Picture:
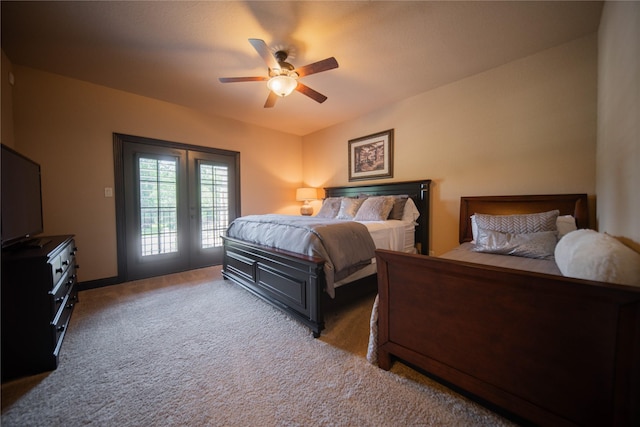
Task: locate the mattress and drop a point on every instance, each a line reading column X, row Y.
column 393, row 235
column 465, row 252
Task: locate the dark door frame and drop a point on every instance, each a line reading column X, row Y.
column 119, row 140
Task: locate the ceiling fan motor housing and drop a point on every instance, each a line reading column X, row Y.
column 286, row 69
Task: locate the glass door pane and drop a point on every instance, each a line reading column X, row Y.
column 158, row 206
column 214, row 203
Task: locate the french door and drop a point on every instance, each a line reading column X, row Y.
column 173, row 204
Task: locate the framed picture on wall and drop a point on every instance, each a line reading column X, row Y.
column 371, row 156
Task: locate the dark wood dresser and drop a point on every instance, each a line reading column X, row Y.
column 39, row 292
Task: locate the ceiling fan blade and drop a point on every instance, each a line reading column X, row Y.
column 242, row 79
column 263, row 50
column 316, row 96
column 316, row 67
column 271, row 100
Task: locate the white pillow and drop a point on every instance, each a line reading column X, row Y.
column 587, row 254
column 565, row 224
column 410, row 213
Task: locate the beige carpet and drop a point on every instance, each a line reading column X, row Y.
column 193, row 349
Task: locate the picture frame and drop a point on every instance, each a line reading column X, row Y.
column 371, row 156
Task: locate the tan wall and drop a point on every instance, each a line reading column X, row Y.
column 6, row 107
column 67, row 125
column 528, row 127
column 618, row 151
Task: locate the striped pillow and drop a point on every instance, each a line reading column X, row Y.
column 519, row 224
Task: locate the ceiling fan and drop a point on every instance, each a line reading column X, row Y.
column 283, row 77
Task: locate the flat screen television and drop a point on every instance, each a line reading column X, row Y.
column 21, row 198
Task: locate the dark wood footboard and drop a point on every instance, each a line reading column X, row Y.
column 548, row 349
column 292, row 282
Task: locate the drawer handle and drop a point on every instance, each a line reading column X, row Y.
column 69, row 282
column 69, row 306
column 60, row 328
column 59, row 270
column 65, row 262
column 59, row 299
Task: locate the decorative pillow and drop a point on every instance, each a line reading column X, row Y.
column 519, row 224
column 398, row 207
column 330, row 207
column 539, row 245
column 587, row 254
column 375, row 209
column 349, row 207
column 565, row 224
column 410, row 213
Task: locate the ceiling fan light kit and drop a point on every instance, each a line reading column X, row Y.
column 282, row 85
column 283, row 77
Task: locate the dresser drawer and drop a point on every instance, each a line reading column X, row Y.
column 56, row 268
column 61, row 321
column 63, row 261
column 62, row 289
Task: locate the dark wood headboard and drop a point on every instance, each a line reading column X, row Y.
column 418, row 191
column 567, row 204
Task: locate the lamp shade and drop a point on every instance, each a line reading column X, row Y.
column 303, row 194
column 282, row 85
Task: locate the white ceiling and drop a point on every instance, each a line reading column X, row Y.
column 387, row 51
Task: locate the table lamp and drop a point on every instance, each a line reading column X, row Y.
column 305, row 195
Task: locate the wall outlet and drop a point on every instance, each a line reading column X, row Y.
column 108, row 192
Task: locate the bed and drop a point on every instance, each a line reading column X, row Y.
column 541, row 348
column 297, row 283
